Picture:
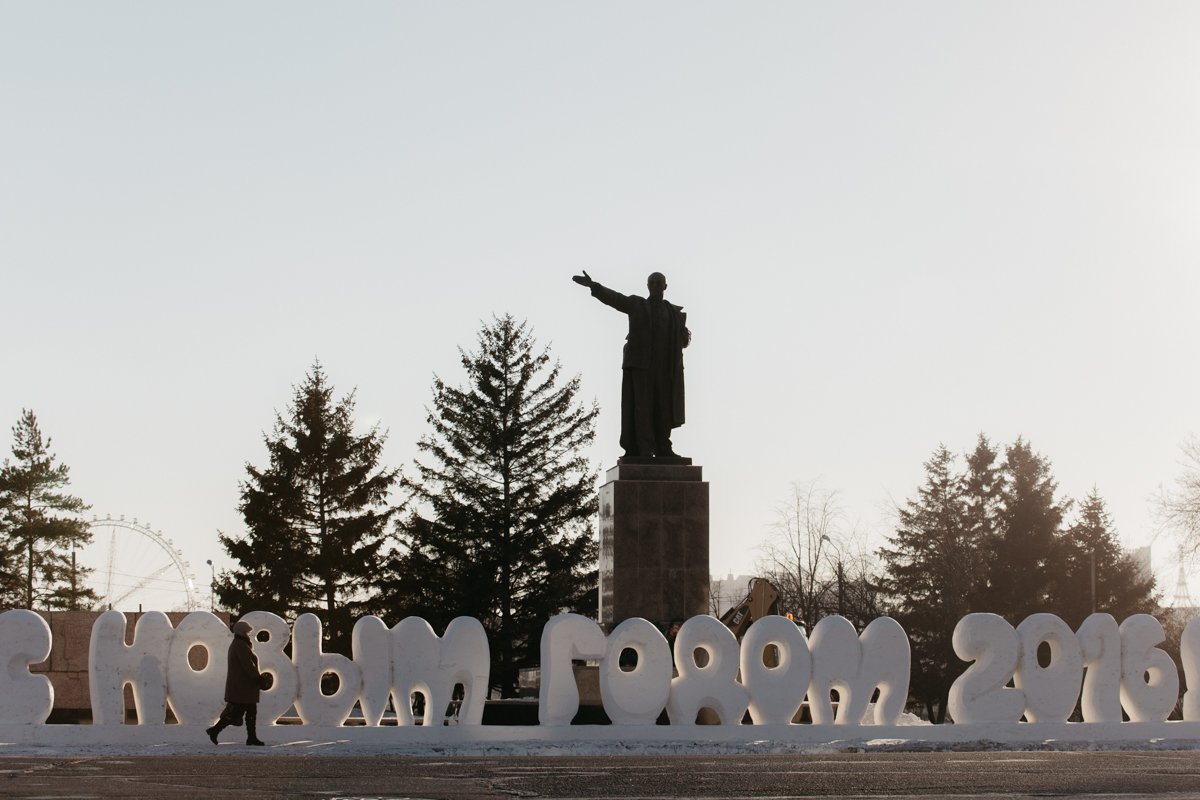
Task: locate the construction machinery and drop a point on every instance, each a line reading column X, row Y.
column 762, row 599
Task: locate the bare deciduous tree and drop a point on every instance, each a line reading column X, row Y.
column 1179, row 508
column 816, row 559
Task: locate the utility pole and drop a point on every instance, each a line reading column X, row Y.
column 74, row 584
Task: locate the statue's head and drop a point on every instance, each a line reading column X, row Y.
column 656, row 284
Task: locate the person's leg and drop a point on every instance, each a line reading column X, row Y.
column 251, row 723
column 228, row 717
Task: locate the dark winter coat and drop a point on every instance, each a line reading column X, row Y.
column 242, row 678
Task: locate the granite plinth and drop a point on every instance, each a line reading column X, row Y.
column 653, row 543
column 654, row 472
column 654, row 460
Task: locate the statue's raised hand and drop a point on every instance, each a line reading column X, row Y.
column 584, row 279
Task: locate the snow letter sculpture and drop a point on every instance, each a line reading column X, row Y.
column 1100, row 643
column 143, row 664
column 411, row 659
column 24, row 698
column 854, row 668
column 836, row 655
column 565, row 637
column 1050, row 691
column 274, row 702
column 776, row 692
column 1189, row 651
column 197, row 696
column 638, row 696
column 712, row 686
column 1149, row 680
column 980, row 694
column 371, row 643
column 466, row 659
column 312, row 704
column 886, row 665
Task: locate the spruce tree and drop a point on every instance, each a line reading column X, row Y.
column 933, row 572
column 992, row 539
column 982, row 483
column 1091, row 555
column 503, row 502
column 1024, row 551
column 317, row 515
column 40, row 526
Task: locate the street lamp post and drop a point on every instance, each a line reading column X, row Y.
column 841, row 591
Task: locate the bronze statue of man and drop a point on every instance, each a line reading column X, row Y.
column 651, row 367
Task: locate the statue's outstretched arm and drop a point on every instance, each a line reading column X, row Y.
column 605, row 295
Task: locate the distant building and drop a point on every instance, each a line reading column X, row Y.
column 1140, row 556
column 727, row 592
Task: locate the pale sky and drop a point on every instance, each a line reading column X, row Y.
column 892, row 225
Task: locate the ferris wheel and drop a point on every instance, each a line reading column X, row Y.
column 134, row 567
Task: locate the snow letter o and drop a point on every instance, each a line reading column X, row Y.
column 636, row 697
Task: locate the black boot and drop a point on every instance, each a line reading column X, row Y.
column 252, row 735
column 216, row 729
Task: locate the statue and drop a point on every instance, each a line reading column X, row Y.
column 652, row 369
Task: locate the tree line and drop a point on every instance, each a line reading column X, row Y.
column 495, row 520
column 985, row 532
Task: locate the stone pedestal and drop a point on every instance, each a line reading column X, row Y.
column 653, row 543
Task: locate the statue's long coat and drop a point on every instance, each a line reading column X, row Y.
column 637, row 353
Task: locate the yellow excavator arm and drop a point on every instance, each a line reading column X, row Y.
column 761, row 599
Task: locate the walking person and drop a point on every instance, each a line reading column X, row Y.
column 242, row 684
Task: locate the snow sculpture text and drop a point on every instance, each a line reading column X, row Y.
column 398, row 661
column 112, row 664
column 772, row 687
column 1037, row 671
column 712, row 684
column 24, row 698
column 777, row 670
column 411, row 659
column 1125, row 670
column 855, row 667
column 638, row 695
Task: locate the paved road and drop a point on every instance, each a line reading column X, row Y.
column 907, row 775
